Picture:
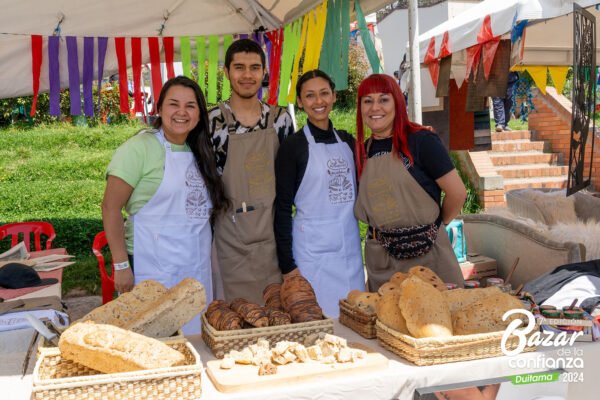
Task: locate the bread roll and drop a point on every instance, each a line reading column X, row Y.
column 428, row 276
column 388, row 287
column 398, row 278
column 170, row 312
column 388, row 312
column 353, row 295
column 485, row 315
column 425, row 309
column 461, row 298
column 367, row 302
column 110, row 349
column 122, row 310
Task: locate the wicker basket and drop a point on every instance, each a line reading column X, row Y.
column 45, row 344
column 221, row 342
column 358, row 321
column 430, row 351
column 56, row 378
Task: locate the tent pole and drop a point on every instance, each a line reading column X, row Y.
column 414, row 91
column 292, row 112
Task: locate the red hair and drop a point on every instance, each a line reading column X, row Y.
column 380, row 83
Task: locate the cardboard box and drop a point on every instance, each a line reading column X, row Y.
column 478, row 267
column 555, row 324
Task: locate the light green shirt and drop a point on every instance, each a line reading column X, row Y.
column 140, row 162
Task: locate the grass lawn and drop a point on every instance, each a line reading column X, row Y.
column 56, row 173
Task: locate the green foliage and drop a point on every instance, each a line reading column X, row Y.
column 472, row 204
column 16, row 110
column 342, row 119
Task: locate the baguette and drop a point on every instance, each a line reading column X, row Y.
column 110, row 349
column 166, row 315
column 122, row 310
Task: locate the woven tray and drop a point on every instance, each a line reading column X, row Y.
column 221, row 342
column 358, row 321
column 56, row 378
column 430, row 351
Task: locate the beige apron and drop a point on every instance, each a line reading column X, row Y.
column 245, row 241
column 389, row 197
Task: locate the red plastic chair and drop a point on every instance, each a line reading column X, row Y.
column 107, row 281
column 27, row 229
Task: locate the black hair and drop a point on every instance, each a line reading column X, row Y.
column 312, row 74
column 244, row 46
column 199, row 141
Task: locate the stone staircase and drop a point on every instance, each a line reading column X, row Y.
column 525, row 163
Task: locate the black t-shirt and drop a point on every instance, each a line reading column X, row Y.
column 431, row 160
column 290, row 165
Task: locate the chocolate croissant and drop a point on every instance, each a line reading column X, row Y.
column 223, row 318
column 253, row 314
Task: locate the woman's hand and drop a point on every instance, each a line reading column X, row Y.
column 124, row 280
column 455, row 195
column 295, row 272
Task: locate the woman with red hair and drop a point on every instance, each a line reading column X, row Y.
column 403, row 169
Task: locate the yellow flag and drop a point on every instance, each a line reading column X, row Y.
column 316, row 30
column 559, row 76
column 539, row 74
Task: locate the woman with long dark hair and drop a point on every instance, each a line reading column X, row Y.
column 403, row 169
column 315, row 172
column 166, row 181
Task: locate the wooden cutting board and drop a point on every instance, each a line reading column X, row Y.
column 245, row 377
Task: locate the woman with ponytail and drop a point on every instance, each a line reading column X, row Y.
column 167, row 182
column 403, row 169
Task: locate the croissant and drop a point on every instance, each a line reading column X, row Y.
column 272, row 296
column 277, row 317
column 223, row 318
column 253, row 314
column 299, row 300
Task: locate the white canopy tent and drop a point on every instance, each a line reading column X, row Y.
column 463, row 29
column 128, row 18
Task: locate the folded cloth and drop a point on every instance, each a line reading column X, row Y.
column 17, row 320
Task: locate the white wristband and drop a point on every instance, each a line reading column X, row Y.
column 121, row 266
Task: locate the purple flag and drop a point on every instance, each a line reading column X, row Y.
column 73, row 64
column 54, row 75
column 88, row 76
column 102, row 43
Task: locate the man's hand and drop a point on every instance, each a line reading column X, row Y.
column 295, row 272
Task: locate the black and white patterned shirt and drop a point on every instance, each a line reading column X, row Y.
column 220, row 134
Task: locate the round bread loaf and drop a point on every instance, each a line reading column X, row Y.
column 425, row 309
column 388, row 312
column 428, row 276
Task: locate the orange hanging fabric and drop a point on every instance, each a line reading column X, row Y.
column 432, row 63
column 169, row 56
column 487, row 44
column 36, row 67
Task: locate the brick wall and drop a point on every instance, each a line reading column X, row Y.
column 551, row 121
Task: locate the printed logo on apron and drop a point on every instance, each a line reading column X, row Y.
column 383, row 202
column 259, row 170
column 196, row 202
column 341, row 189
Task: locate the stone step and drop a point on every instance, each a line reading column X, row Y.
column 517, row 145
column 557, row 182
column 531, row 170
column 523, row 157
column 513, row 135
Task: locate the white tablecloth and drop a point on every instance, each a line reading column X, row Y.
column 398, row 381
